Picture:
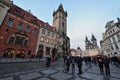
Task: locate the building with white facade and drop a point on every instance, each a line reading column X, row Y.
column 111, row 43
column 53, row 40
column 4, row 7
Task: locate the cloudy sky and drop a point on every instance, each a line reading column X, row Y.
column 85, row 17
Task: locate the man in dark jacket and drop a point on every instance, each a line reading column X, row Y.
column 79, row 64
column 67, row 64
column 100, row 64
column 106, row 62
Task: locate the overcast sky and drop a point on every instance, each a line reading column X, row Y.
column 85, row 17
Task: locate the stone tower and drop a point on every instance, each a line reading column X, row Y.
column 94, row 41
column 87, row 43
column 91, row 44
column 60, row 20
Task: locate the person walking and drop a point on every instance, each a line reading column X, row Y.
column 48, row 60
column 106, row 62
column 79, row 65
column 67, row 64
column 73, row 64
column 100, row 64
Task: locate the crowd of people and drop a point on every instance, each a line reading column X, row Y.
column 103, row 62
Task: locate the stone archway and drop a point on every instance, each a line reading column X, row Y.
column 9, row 52
column 20, row 53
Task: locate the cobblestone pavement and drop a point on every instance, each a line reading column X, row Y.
column 59, row 73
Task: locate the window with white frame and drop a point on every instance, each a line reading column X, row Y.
column 34, row 31
column 27, row 28
column 10, row 22
column 43, row 31
column 118, row 36
column 113, row 39
column 19, row 26
column 48, row 33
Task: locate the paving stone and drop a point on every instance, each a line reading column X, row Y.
column 93, row 71
column 29, row 76
column 50, row 71
column 8, row 78
column 79, row 79
column 44, row 78
column 115, row 75
column 92, row 76
column 61, row 76
column 59, row 68
column 115, row 71
column 114, row 79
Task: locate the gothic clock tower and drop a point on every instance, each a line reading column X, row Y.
column 60, row 20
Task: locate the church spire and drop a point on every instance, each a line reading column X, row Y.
column 93, row 37
column 60, row 9
column 86, row 39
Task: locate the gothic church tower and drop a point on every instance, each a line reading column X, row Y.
column 94, row 41
column 60, row 20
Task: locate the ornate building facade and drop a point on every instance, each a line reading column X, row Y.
column 24, row 35
column 60, row 24
column 110, row 43
column 91, row 44
column 92, row 48
column 4, row 7
column 20, row 33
